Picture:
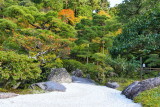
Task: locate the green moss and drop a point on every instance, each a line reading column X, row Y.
column 23, row 91
column 3, row 90
column 149, row 98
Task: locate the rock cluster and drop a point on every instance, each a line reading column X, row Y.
column 55, row 78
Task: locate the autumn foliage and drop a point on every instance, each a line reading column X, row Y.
column 67, row 15
column 102, row 12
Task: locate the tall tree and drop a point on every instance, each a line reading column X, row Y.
column 141, row 36
column 129, row 9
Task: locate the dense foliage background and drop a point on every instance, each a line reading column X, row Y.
column 37, row 35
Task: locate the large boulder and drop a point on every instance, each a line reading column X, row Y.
column 113, row 85
column 59, row 75
column 77, row 73
column 82, row 80
column 49, row 86
column 7, row 95
column 137, row 87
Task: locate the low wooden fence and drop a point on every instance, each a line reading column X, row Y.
column 151, row 69
column 145, row 70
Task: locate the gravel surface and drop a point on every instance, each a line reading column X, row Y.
column 76, row 95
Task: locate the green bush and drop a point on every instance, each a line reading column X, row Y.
column 97, row 72
column 150, row 74
column 122, row 67
column 93, row 70
column 16, row 69
column 72, row 65
column 7, row 25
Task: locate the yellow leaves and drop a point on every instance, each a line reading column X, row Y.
column 49, row 57
column 84, row 45
column 119, row 31
column 79, row 18
column 110, row 34
column 57, row 29
column 96, row 40
column 102, row 12
column 72, row 39
column 58, row 60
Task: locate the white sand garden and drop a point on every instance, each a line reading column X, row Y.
column 76, row 95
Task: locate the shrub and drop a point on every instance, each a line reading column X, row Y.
column 122, row 67
column 96, row 72
column 72, row 65
column 15, row 69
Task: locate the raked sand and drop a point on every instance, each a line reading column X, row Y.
column 76, row 95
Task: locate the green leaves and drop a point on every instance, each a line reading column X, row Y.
column 14, row 11
column 153, row 60
column 30, row 18
column 7, row 25
column 40, row 20
column 15, row 68
column 140, row 36
column 99, row 57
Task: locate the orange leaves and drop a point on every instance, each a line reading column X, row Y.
column 67, row 15
column 72, row 39
column 43, row 43
column 32, row 43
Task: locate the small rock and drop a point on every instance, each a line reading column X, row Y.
column 7, row 95
column 113, row 85
column 77, row 73
column 59, row 75
column 88, row 76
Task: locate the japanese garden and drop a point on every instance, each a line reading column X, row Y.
column 79, row 53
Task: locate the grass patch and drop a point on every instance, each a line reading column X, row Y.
column 3, row 90
column 149, row 98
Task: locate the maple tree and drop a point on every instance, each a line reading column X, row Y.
column 67, row 15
